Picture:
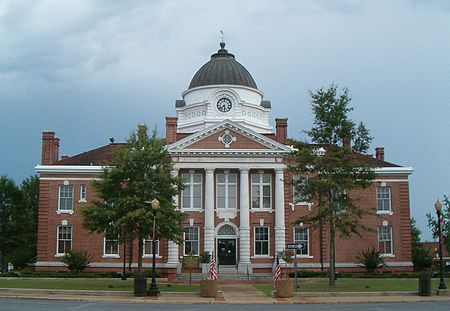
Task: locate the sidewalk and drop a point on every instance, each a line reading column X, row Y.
column 230, row 293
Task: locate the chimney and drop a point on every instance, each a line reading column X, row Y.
column 50, row 148
column 346, row 142
column 281, row 129
column 379, row 153
column 171, row 129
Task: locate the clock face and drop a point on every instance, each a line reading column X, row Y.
column 224, row 105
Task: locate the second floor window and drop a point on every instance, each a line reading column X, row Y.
column 83, row 193
column 383, row 199
column 298, row 181
column 262, row 191
column 191, row 196
column 226, row 190
column 65, row 200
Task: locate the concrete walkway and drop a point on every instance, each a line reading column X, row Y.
column 230, row 293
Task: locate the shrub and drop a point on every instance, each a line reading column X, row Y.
column 205, row 257
column 77, row 260
column 371, row 260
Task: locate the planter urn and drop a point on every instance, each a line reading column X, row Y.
column 208, row 288
column 283, row 288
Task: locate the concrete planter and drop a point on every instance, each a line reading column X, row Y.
column 208, row 288
column 283, row 288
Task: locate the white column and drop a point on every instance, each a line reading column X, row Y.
column 280, row 228
column 244, row 230
column 172, row 256
column 209, row 212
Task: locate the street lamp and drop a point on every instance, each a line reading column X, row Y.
column 153, row 290
column 438, row 207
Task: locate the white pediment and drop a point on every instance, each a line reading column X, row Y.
column 222, row 139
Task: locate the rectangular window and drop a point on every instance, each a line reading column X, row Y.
column 111, row 247
column 261, row 241
column 64, row 240
column 148, row 248
column 262, row 191
column 65, row 201
column 226, row 193
column 383, row 199
column 83, row 193
column 191, row 196
column 301, row 235
column 298, row 181
column 191, row 241
column 385, row 240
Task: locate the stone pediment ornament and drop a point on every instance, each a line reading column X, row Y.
column 227, row 139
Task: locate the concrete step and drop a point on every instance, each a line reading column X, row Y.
column 229, row 276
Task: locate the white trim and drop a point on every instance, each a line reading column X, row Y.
column 307, row 255
column 83, row 193
column 145, row 255
column 198, row 240
column 394, row 170
column 69, row 178
column 260, row 183
column 111, row 255
column 230, row 165
column 227, row 185
column 391, row 180
column 57, row 239
column 390, row 213
column 59, row 169
column 191, row 184
column 106, row 264
column 178, row 146
column 221, row 86
column 65, row 211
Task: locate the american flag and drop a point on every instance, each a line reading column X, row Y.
column 277, row 274
column 212, row 269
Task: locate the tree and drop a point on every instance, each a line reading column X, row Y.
column 433, row 223
column 328, row 168
column 10, row 219
column 421, row 256
column 26, row 253
column 139, row 173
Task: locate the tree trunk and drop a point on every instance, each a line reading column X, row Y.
column 130, row 254
column 140, row 252
column 321, row 245
column 332, row 280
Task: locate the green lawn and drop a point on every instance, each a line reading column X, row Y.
column 87, row 284
column 355, row 285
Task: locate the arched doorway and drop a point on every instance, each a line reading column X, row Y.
column 227, row 245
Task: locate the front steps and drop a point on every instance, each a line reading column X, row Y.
column 229, row 273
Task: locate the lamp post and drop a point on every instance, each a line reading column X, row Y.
column 438, row 207
column 153, row 290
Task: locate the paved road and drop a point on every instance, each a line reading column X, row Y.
column 50, row 305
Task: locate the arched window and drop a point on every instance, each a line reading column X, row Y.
column 226, row 230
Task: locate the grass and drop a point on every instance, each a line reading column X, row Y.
column 87, row 284
column 354, row 285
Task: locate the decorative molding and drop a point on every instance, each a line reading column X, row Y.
column 227, row 139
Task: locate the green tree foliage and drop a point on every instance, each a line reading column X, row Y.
column 371, row 260
column 421, row 257
column 329, row 170
column 18, row 221
column 77, row 260
column 433, row 223
column 139, row 173
column 11, row 214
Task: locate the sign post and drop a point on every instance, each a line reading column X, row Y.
column 295, row 247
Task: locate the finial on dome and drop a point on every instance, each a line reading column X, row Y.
column 222, row 42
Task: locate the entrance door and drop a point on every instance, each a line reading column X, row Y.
column 226, row 251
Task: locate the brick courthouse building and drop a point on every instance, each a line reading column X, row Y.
column 237, row 194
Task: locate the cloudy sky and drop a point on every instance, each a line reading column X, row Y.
column 91, row 70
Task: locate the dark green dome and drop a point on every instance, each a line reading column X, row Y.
column 222, row 69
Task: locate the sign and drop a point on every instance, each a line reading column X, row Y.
column 294, row 245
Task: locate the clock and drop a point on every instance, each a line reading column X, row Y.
column 224, row 104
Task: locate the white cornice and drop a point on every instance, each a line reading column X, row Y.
column 180, row 146
column 69, row 169
column 394, row 170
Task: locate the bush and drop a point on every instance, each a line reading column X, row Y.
column 205, row 257
column 77, row 260
column 371, row 260
column 421, row 257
